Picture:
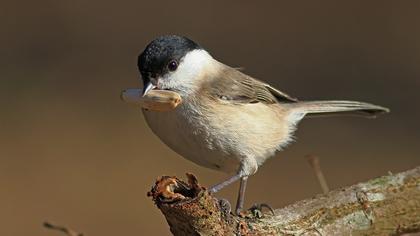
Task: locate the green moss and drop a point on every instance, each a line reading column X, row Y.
column 381, row 181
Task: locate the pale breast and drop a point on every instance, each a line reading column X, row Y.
column 219, row 136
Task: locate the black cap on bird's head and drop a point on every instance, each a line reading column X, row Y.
column 161, row 56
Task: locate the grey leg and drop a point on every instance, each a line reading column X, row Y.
column 225, row 183
column 241, row 195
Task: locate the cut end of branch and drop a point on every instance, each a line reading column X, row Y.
column 189, row 208
column 170, row 189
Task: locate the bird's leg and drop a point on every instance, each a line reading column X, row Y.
column 248, row 167
column 225, row 183
column 241, row 195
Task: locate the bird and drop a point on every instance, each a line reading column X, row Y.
column 228, row 121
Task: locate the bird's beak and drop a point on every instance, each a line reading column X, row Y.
column 147, row 86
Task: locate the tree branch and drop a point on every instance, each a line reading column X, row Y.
column 388, row 205
column 67, row 231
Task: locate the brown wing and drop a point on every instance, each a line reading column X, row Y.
column 233, row 85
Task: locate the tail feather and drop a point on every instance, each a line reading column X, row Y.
column 321, row 108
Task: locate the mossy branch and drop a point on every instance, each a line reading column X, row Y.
column 389, row 205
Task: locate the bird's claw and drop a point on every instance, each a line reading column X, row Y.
column 256, row 210
column 225, row 207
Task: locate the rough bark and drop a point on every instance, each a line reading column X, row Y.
column 388, row 205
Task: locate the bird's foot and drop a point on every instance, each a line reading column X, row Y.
column 257, row 211
column 225, row 207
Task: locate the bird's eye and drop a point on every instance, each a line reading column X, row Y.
column 172, row 65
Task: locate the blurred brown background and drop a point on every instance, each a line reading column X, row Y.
column 73, row 153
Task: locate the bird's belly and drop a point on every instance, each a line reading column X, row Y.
column 189, row 140
column 220, row 139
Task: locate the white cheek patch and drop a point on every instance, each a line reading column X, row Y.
column 188, row 70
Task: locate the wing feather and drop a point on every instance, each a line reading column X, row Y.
column 233, row 85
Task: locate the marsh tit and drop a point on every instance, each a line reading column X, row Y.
column 227, row 121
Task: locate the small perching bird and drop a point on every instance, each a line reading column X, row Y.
column 227, row 121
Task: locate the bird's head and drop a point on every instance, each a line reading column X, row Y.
column 172, row 62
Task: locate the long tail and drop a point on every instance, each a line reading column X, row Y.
column 321, row 108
